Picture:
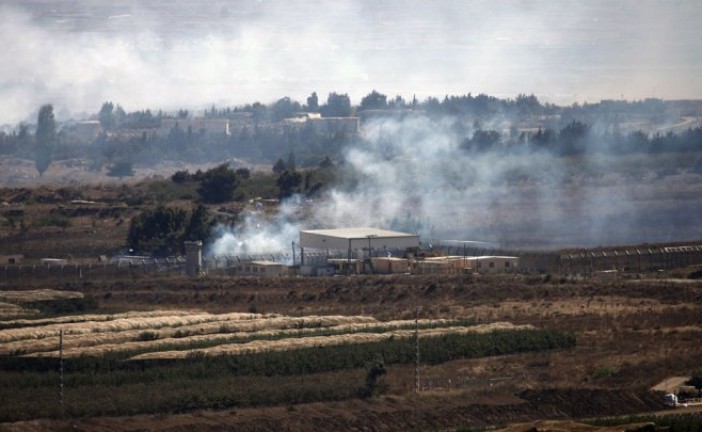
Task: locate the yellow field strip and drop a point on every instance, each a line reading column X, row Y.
column 45, row 338
column 97, row 317
column 37, row 295
column 320, row 341
column 119, row 325
column 12, row 310
column 336, row 324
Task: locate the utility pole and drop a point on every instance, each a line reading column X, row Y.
column 416, row 343
column 293, row 254
column 61, row 371
column 416, row 367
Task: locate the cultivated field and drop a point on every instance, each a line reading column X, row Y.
column 216, row 343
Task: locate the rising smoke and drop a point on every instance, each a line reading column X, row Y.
column 259, row 234
column 413, row 175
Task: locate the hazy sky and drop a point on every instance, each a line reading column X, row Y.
column 171, row 54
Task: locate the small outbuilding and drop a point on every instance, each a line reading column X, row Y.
column 15, row 259
column 493, row 264
column 262, row 268
column 460, row 264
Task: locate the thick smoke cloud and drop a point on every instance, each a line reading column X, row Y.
column 169, row 55
column 414, row 175
column 258, row 234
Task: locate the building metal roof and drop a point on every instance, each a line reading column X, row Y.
column 359, row 233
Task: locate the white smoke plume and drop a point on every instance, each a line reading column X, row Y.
column 260, row 235
column 412, row 175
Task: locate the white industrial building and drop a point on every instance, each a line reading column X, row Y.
column 357, row 245
column 353, row 239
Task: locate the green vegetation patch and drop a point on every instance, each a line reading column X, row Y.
column 108, row 385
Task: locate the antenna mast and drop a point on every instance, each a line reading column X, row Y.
column 61, row 370
column 416, row 343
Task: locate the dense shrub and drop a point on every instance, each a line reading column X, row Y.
column 64, row 305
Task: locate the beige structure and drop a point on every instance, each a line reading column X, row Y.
column 262, row 268
column 460, row 264
column 440, row 265
column 88, row 129
column 333, row 125
column 390, row 265
column 197, row 125
column 607, row 275
column 323, row 125
column 347, row 266
column 11, row 259
column 431, row 265
column 53, row 262
column 493, row 264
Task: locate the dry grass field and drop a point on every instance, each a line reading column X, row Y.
column 630, row 335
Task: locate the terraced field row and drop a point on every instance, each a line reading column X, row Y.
column 179, row 334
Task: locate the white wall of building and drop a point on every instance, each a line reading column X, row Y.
column 357, row 239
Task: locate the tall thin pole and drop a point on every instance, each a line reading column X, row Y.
column 293, row 253
column 416, row 343
column 61, row 370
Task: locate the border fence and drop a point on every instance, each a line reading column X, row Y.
column 583, row 263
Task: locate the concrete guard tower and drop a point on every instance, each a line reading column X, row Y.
column 193, row 258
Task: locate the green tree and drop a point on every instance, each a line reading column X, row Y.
column 119, row 117
column 279, row 166
column 696, row 381
column 243, row 173
column 291, row 165
column 375, row 372
column 218, row 184
column 105, row 116
column 483, row 140
column 45, row 139
column 374, row 100
column 284, row 108
column 259, row 113
column 163, row 230
column 312, row 103
column 543, row 139
column 181, row 176
column 573, row 138
column 199, row 226
column 527, row 105
column 288, row 183
column 157, row 231
column 337, row 106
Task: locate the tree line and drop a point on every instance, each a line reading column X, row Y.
column 128, row 138
column 162, row 230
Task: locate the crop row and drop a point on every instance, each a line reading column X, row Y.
column 108, row 385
